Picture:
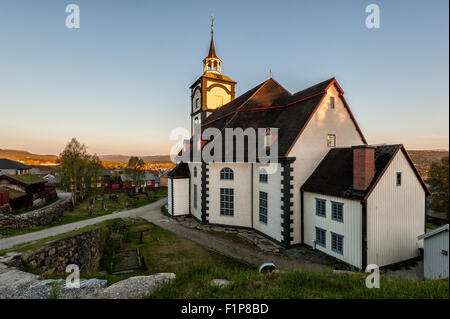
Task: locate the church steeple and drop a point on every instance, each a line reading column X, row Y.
column 212, row 64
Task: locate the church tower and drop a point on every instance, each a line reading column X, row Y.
column 211, row 90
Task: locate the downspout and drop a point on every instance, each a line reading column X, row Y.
column 364, row 235
column 251, row 196
column 302, row 226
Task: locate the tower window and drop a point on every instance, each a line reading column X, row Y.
column 197, row 102
column 263, row 176
column 195, row 171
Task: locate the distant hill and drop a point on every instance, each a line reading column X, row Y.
column 27, row 157
column 423, row 159
column 36, row 159
column 125, row 158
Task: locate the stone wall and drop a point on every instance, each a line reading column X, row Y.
column 35, row 218
column 83, row 250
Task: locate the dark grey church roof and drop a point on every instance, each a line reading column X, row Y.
column 269, row 105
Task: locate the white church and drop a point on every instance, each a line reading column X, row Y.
column 359, row 203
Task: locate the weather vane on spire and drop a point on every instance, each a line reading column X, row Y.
column 212, row 24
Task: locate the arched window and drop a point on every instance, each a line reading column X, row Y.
column 226, row 173
column 195, row 171
column 263, row 176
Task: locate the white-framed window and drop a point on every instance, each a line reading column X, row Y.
column 226, row 202
column 321, row 237
column 331, row 140
column 337, row 211
column 195, row 196
column 263, row 177
column 331, row 102
column 226, row 174
column 337, row 243
column 263, row 207
column 399, row 179
column 321, row 207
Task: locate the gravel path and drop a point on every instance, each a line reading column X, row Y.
column 10, row 242
column 250, row 255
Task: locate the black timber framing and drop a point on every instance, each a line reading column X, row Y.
column 286, row 201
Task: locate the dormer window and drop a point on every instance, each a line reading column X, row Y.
column 331, row 102
column 331, row 140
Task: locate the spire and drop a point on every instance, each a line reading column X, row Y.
column 212, row 50
column 212, row 63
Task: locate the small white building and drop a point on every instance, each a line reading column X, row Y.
column 178, row 190
column 435, row 261
column 365, row 205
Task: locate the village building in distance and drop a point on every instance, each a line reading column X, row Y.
column 362, row 204
column 20, row 189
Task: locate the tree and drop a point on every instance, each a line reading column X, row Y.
column 135, row 170
column 94, row 175
column 72, row 162
column 439, row 188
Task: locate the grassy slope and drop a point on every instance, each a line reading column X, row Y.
column 194, row 283
column 195, row 266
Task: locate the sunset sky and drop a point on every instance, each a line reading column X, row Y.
column 120, row 83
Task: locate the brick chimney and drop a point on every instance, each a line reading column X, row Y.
column 363, row 166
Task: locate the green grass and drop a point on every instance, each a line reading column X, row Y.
column 80, row 212
column 165, row 212
column 194, row 282
column 28, row 179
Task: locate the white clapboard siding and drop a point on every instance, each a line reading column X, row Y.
column 196, row 180
column 395, row 215
column 273, row 190
column 351, row 228
column 241, row 184
column 435, row 261
column 169, row 196
column 311, row 147
column 180, row 191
